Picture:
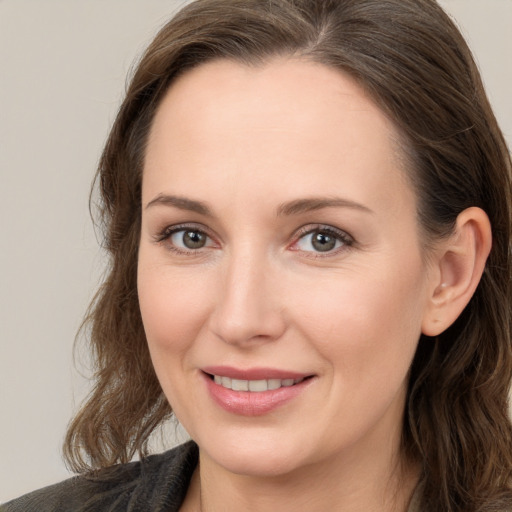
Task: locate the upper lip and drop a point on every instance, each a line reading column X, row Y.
column 253, row 373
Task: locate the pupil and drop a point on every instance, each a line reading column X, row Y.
column 322, row 242
column 193, row 240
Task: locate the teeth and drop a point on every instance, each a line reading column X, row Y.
column 258, row 385
column 239, row 385
column 274, row 383
column 254, row 385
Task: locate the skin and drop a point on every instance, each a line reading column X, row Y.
column 245, row 141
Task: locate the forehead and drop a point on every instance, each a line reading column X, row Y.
column 290, row 93
column 289, row 121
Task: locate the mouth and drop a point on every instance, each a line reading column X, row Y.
column 255, row 386
column 256, row 391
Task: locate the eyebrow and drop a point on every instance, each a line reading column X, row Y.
column 299, row 206
column 295, row 207
column 182, row 203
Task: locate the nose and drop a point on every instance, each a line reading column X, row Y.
column 248, row 308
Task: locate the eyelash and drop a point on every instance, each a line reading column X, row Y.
column 166, row 234
column 347, row 241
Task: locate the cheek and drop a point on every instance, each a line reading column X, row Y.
column 172, row 307
column 172, row 312
column 371, row 318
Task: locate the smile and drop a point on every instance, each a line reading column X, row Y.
column 256, row 386
column 254, row 391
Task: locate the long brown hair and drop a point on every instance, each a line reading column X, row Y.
column 410, row 57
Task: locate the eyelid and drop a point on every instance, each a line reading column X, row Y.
column 347, row 240
column 163, row 235
column 169, row 229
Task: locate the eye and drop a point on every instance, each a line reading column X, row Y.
column 323, row 240
column 184, row 239
column 188, row 239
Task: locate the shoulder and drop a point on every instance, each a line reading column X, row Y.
column 158, row 482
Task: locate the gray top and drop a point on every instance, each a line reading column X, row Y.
column 157, row 484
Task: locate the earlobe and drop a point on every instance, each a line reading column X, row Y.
column 460, row 262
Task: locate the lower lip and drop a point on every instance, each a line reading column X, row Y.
column 251, row 403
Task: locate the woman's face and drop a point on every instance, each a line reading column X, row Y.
column 280, row 256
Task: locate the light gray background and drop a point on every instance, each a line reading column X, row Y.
column 62, row 69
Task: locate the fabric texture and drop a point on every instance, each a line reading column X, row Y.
column 157, row 484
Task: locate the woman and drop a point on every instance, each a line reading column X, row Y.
column 307, row 204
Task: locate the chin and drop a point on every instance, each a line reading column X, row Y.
column 256, row 456
column 257, row 464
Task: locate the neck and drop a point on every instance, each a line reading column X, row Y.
column 348, row 484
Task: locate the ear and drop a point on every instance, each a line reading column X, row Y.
column 458, row 265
